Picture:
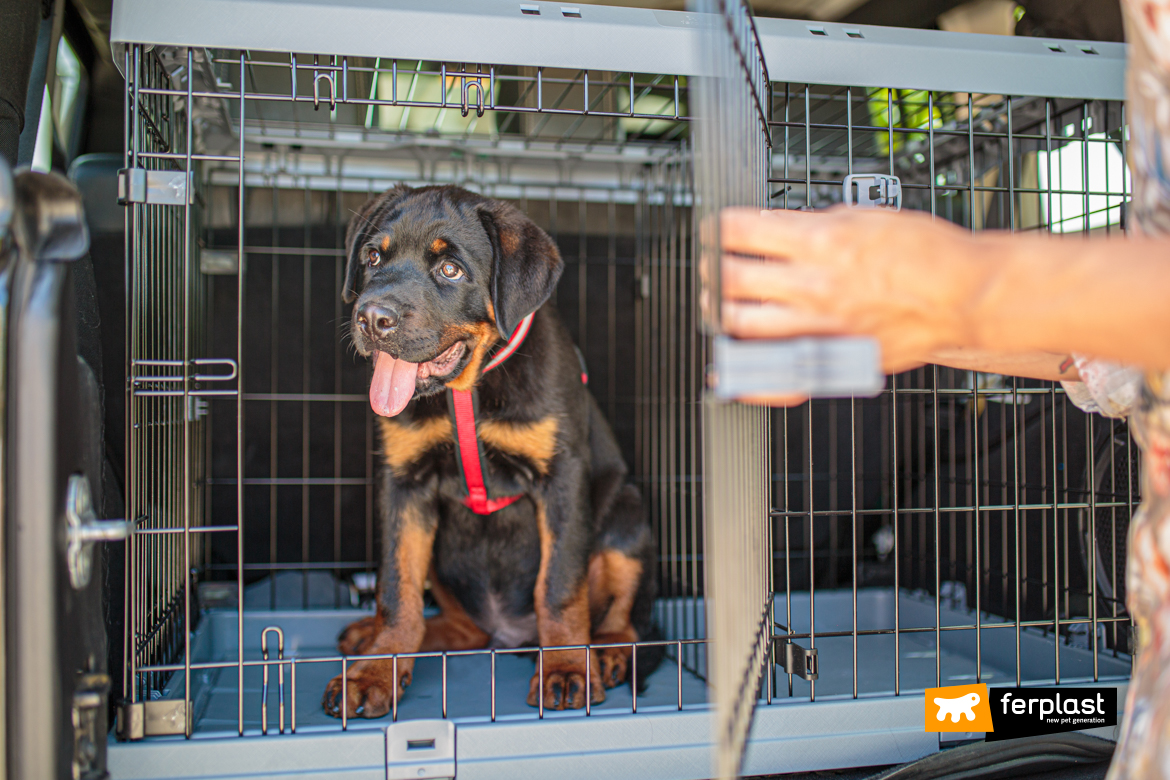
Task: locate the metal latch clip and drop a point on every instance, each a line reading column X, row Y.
column 873, row 191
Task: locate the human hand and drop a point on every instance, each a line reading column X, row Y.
column 901, row 278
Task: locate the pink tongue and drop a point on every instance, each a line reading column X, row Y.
column 393, row 385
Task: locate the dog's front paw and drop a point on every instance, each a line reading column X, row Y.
column 615, row 661
column 357, row 636
column 368, row 689
column 564, row 683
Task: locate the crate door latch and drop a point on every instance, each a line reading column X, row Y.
column 873, row 191
column 795, row 659
column 420, row 750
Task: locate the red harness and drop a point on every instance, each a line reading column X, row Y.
column 467, row 440
column 471, row 459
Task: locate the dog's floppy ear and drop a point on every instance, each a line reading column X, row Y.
column 525, row 264
column 367, row 219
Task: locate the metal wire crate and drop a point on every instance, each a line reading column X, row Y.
column 943, row 530
column 984, row 481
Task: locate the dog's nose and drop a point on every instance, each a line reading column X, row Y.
column 377, row 321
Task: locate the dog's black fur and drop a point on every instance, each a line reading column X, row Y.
column 571, row 562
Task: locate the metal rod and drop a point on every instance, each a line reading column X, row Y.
column 1018, row 538
column 634, row 677
column 187, row 441
column 133, row 328
column 588, row 680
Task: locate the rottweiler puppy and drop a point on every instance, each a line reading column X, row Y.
column 500, row 482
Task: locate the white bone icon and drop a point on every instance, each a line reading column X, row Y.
column 963, row 705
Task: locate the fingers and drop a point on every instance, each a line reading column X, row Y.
column 776, row 282
column 768, row 320
column 773, row 400
column 779, row 233
column 758, row 294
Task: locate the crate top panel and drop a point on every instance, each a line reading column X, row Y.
column 633, row 40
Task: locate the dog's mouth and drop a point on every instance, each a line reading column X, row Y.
column 395, row 379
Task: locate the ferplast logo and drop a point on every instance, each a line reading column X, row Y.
column 960, row 708
column 1086, row 708
column 1011, row 713
column 1027, row 712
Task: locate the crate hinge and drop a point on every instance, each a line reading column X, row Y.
column 166, row 717
column 167, row 188
column 794, row 659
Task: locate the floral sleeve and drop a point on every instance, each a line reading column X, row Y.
column 1147, row 29
column 1143, row 747
column 1106, row 388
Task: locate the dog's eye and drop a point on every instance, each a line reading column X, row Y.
column 451, row 271
column 373, row 257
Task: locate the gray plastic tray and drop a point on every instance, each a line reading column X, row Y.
column 660, row 741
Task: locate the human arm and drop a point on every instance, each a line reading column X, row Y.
column 923, row 287
column 1037, row 364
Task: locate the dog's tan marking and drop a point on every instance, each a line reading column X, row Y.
column 536, row 441
column 509, row 240
column 484, row 334
column 613, row 584
column 438, row 246
column 370, row 685
column 403, row 445
column 415, row 543
column 559, row 625
column 386, row 243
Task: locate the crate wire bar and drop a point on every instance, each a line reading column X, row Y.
column 960, row 526
column 1003, row 540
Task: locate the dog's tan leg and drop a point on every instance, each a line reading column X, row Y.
column 562, row 618
column 398, row 626
column 613, row 584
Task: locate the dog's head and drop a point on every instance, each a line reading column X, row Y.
column 439, row 275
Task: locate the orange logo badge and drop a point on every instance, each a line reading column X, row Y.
column 958, row 708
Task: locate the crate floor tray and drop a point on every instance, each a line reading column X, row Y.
column 660, row 741
column 962, row 657
column 310, row 635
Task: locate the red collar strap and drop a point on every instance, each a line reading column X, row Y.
column 472, row 464
column 513, row 343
